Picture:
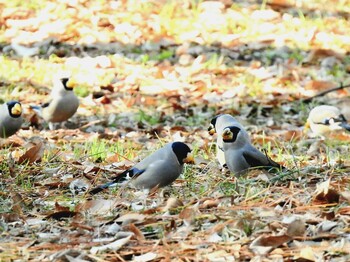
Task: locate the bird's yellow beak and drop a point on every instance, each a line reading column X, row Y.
column 227, row 134
column 16, row 110
column 211, row 129
column 70, row 84
column 306, row 126
column 189, row 159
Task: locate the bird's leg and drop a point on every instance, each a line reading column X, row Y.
column 51, row 126
column 237, row 185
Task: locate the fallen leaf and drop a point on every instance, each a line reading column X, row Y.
column 318, row 85
column 33, row 154
column 271, row 241
column 344, row 211
column 150, row 256
column 58, row 207
column 307, row 253
column 114, row 246
column 97, row 207
column 296, row 228
column 172, row 203
column 137, row 232
column 18, row 202
column 189, row 214
column 9, row 217
column 131, row 218
column 326, row 194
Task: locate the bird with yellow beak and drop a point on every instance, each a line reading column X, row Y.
column 62, row 105
column 10, row 118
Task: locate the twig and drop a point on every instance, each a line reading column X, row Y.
column 307, row 100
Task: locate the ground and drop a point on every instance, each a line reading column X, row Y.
column 149, row 72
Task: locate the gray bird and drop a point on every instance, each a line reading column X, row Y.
column 159, row 169
column 62, row 105
column 325, row 119
column 10, row 118
column 217, row 125
column 241, row 155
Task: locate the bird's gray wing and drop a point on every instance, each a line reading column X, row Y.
column 160, row 173
column 161, row 153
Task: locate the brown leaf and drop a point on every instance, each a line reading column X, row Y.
column 264, row 244
column 137, row 232
column 328, row 215
column 296, row 228
column 332, row 196
column 344, row 211
column 82, row 226
column 318, row 53
column 273, row 241
column 104, row 100
column 33, row 154
column 172, row 203
column 318, row 85
column 109, row 87
column 54, row 185
column 58, row 207
column 97, row 207
column 189, row 214
column 220, row 226
column 131, row 218
column 210, row 203
column 326, row 194
column 17, row 203
column 9, row 217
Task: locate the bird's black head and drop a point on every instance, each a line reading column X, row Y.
column 333, row 120
column 182, row 152
column 211, row 128
column 341, row 118
column 15, row 108
column 230, row 133
column 65, row 83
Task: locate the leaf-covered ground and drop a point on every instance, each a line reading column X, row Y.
column 149, row 72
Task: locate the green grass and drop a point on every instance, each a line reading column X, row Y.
column 99, row 149
column 149, row 118
column 82, row 91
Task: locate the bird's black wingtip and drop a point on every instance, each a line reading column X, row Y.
column 96, row 190
column 346, row 126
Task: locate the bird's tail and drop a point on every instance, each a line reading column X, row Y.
column 101, row 188
column 119, row 178
column 37, row 109
column 345, row 125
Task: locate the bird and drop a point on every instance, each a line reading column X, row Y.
column 62, row 105
column 241, row 155
column 159, row 169
column 217, row 125
column 10, row 118
column 325, row 119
